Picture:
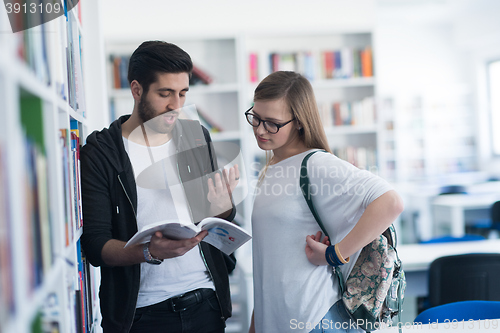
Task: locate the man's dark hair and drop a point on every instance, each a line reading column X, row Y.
column 153, row 57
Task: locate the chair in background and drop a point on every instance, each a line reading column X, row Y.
column 465, row 310
column 423, row 302
column 452, row 189
column 495, row 220
column 464, row 277
column 490, row 226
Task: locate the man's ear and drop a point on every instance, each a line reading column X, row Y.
column 136, row 89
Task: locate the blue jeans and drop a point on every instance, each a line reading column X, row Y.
column 337, row 320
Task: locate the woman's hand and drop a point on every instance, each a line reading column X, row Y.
column 220, row 190
column 316, row 248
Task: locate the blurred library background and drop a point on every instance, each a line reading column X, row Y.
column 407, row 89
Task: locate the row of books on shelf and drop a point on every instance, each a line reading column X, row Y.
column 85, row 293
column 36, row 202
column 119, row 73
column 208, row 122
column 70, row 149
column 41, row 231
column 347, row 63
column 362, row 157
column 356, row 113
column 76, row 98
column 342, row 63
column 81, row 297
column 39, row 219
column 58, row 39
column 40, row 240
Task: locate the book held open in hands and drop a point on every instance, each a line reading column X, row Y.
column 224, row 235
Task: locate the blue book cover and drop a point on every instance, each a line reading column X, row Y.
column 337, row 72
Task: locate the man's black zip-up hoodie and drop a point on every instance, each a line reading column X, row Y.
column 109, row 200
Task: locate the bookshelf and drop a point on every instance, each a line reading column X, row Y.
column 45, row 283
column 427, row 137
column 339, row 65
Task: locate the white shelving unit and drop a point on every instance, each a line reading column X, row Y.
column 349, row 86
column 428, row 138
column 39, row 228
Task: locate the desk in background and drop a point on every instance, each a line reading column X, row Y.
column 417, row 259
column 421, row 201
column 458, row 204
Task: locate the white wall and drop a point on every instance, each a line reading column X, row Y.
column 478, row 30
column 440, row 47
column 418, row 59
column 477, row 23
column 416, row 51
column 161, row 19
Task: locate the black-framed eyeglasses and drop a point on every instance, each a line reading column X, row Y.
column 270, row 126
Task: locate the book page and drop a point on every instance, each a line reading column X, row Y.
column 171, row 229
column 224, row 235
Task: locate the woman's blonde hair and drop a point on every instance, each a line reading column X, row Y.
column 298, row 94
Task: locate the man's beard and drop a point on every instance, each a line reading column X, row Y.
column 152, row 118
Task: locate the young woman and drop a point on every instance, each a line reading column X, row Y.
column 292, row 281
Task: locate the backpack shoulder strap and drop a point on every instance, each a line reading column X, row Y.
column 305, row 188
column 198, row 139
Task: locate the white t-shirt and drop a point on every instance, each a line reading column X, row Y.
column 288, row 289
column 176, row 275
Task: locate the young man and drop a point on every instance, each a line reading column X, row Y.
column 164, row 285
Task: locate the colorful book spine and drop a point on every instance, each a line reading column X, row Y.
column 75, row 148
column 66, row 171
column 329, row 64
column 201, row 76
column 116, row 72
column 367, row 62
column 253, row 68
column 80, row 310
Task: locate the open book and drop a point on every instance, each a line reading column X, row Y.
column 224, row 235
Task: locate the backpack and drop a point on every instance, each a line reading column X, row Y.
column 374, row 300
